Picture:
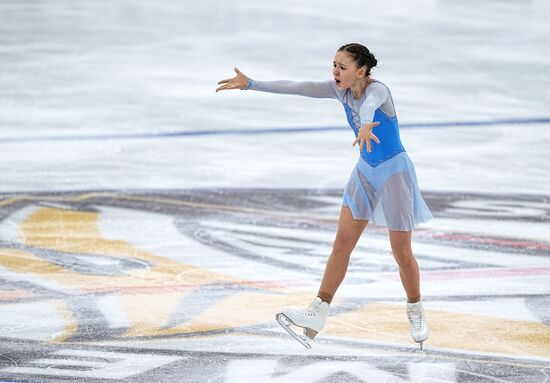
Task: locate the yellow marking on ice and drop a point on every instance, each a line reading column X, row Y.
column 447, row 330
column 156, row 290
column 149, row 312
column 238, row 310
column 70, row 323
column 21, row 261
column 76, row 232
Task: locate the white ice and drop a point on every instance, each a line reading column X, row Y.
column 87, row 89
column 138, row 67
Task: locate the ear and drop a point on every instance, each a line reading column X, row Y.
column 362, row 72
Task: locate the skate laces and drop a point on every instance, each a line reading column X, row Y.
column 313, row 308
column 416, row 319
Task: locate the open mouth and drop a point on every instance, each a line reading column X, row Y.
column 337, row 82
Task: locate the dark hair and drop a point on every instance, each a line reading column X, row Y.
column 361, row 55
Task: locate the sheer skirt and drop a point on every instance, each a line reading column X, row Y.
column 386, row 195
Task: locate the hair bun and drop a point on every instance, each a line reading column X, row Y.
column 372, row 60
column 361, row 55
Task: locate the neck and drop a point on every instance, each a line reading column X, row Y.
column 359, row 88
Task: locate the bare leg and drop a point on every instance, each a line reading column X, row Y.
column 349, row 231
column 408, row 268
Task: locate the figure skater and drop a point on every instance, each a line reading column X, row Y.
column 382, row 188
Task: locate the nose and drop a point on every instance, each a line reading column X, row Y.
column 335, row 72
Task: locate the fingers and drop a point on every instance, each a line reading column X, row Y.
column 226, row 87
column 362, row 142
column 231, row 83
column 232, row 78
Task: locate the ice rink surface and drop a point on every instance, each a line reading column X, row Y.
column 150, row 228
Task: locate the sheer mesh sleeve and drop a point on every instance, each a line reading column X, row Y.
column 317, row 89
column 377, row 95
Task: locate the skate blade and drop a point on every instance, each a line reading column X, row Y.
column 421, row 343
column 286, row 323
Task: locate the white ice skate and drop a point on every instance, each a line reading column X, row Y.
column 418, row 323
column 311, row 320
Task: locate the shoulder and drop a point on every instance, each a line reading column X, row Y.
column 383, row 94
column 378, row 91
column 378, row 86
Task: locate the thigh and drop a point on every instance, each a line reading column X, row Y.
column 349, row 229
column 397, row 201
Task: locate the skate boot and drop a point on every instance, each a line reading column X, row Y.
column 311, row 320
column 418, row 322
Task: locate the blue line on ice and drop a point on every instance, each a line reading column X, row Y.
column 252, row 131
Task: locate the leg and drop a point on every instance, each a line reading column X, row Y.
column 313, row 319
column 410, row 277
column 349, row 231
column 408, row 268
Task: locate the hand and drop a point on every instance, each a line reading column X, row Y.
column 240, row 81
column 364, row 135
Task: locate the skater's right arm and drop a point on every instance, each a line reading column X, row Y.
column 317, row 89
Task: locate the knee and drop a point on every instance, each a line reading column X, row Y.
column 342, row 247
column 404, row 257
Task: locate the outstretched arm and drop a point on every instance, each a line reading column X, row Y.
column 318, row 89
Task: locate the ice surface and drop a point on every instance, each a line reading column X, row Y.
column 151, row 228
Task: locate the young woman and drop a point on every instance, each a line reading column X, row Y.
column 382, row 188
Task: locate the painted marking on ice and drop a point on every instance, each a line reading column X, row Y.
column 240, row 132
column 449, row 275
column 451, row 236
column 499, row 208
column 109, row 365
column 477, row 239
column 484, row 333
column 267, row 371
column 485, row 273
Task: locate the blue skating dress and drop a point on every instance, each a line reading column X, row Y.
column 382, row 188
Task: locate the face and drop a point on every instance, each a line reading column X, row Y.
column 345, row 71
